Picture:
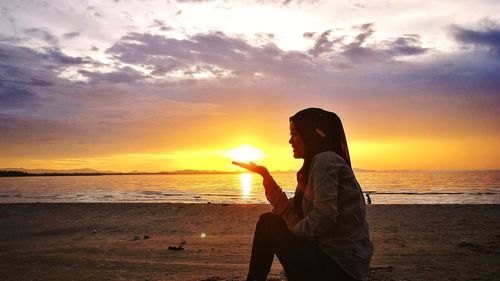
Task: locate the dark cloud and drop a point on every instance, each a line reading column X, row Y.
column 30, row 82
column 407, row 46
column 265, row 36
column 161, row 25
column 25, row 73
column 10, row 39
column 163, row 54
column 16, row 61
column 43, row 35
column 71, row 35
column 357, row 51
column 354, row 51
column 123, row 75
column 359, row 6
column 309, row 34
column 113, row 105
column 489, row 37
column 94, row 12
column 56, row 55
column 14, row 97
column 323, row 44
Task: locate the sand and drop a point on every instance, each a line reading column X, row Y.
column 96, row 241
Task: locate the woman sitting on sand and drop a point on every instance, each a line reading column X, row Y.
column 321, row 233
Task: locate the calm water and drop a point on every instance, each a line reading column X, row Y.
column 463, row 187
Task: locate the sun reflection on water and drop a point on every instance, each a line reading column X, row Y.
column 246, row 185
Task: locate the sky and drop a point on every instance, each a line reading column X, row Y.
column 172, row 85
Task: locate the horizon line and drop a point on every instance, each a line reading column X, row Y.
column 87, row 171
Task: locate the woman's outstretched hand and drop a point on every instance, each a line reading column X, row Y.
column 261, row 170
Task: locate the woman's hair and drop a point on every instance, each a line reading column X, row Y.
column 321, row 131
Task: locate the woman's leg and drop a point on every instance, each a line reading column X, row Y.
column 270, row 229
column 301, row 259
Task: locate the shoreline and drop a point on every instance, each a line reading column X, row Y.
column 84, row 241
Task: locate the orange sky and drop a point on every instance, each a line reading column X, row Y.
column 160, row 86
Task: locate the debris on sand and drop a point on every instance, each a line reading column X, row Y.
column 179, row 246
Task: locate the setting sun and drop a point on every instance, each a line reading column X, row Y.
column 245, row 153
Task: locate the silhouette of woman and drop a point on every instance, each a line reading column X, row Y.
column 321, row 233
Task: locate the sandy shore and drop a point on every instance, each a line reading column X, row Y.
column 96, row 241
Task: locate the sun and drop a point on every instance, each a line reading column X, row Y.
column 245, row 153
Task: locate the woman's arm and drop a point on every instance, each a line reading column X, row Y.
column 281, row 204
column 275, row 195
column 273, row 192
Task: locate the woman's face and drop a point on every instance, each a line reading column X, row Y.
column 296, row 142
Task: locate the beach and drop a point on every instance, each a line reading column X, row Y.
column 129, row 241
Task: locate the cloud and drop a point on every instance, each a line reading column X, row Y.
column 122, row 75
column 163, row 54
column 357, row 50
column 31, row 82
column 129, row 101
column 27, row 74
column 192, row 1
column 308, row 34
column 56, row 55
column 15, row 97
column 407, row 45
column 359, row 6
column 322, row 44
column 24, row 65
column 16, row 60
column 489, row 37
column 281, row 2
column 42, row 34
column 71, row 35
column 161, row 25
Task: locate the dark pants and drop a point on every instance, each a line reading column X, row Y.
column 301, row 259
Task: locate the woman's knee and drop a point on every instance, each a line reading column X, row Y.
column 272, row 224
column 269, row 219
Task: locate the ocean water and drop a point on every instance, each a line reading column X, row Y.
column 407, row 187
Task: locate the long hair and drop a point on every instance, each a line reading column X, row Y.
column 321, row 131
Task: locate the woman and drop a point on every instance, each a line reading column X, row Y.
column 321, row 233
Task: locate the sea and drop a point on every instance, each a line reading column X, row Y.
column 384, row 187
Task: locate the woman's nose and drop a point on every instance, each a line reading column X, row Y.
column 290, row 141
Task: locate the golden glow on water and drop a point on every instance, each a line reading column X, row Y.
column 246, row 185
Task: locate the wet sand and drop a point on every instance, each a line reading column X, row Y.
column 97, row 241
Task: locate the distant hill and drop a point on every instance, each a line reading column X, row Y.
column 93, row 171
column 51, row 171
column 363, row 170
column 10, row 172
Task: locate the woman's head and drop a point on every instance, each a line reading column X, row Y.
column 314, row 130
